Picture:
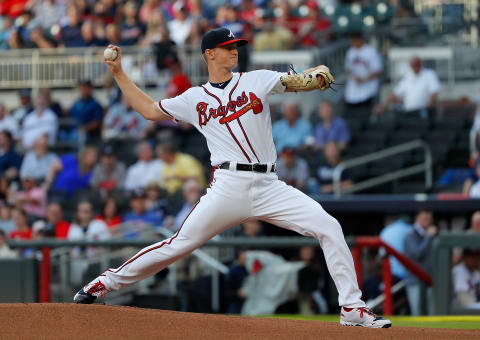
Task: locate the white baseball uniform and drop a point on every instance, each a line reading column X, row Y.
column 237, row 125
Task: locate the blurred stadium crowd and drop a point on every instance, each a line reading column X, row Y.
column 133, row 177
column 48, row 24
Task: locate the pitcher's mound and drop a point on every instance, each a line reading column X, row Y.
column 92, row 322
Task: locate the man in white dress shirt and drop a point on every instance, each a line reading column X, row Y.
column 363, row 65
column 417, row 91
column 40, row 121
column 146, row 170
column 7, row 122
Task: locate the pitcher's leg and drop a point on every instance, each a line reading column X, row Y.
column 289, row 208
column 210, row 216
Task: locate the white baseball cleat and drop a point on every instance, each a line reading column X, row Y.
column 363, row 317
column 90, row 293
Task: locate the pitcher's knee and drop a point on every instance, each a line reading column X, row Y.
column 328, row 226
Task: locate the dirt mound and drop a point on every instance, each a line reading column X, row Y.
column 91, row 322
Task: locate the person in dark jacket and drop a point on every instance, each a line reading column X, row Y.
column 418, row 245
column 10, row 160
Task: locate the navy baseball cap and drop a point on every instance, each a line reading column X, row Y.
column 220, row 37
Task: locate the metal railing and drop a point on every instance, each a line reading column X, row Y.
column 63, row 264
column 426, row 167
column 441, row 268
column 58, row 248
column 64, row 67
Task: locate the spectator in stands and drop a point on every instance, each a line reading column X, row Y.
column 363, row 65
column 474, row 191
column 132, row 30
column 145, row 170
column 22, row 230
column 39, row 40
column 110, row 11
column 149, row 9
column 88, row 35
column 324, row 173
column 7, row 225
column 5, row 251
column 7, row 27
column 71, row 33
column 394, row 234
column 40, row 121
column 73, row 172
column 109, row 214
column 191, row 194
column 4, row 189
column 178, row 167
column 109, row 174
column 314, row 30
column 181, row 25
column 49, row 12
column 139, row 218
column 475, row 135
column 85, row 227
column 179, row 82
column 331, row 128
column 123, row 122
column 466, row 280
column 33, row 199
column 88, row 112
column 154, row 197
column 237, row 273
column 417, row 91
column 10, row 160
column 113, row 34
column 240, row 30
column 475, row 222
column 310, row 298
column 15, row 40
column 292, row 130
column 292, row 169
column 113, row 91
column 25, row 25
column 156, row 27
column 471, row 178
column 100, row 33
column 250, row 229
column 248, row 11
column 7, row 122
column 25, row 107
column 418, row 245
column 272, row 37
column 52, row 105
column 56, row 222
column 39, row 161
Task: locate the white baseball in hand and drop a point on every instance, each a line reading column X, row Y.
column 110, row 54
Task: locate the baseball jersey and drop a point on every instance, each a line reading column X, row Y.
column 235, row 120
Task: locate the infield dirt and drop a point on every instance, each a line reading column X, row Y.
column 91, row 322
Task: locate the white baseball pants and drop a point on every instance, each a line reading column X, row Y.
column 232, row 198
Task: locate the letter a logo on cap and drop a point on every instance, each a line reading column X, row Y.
column 231, row 34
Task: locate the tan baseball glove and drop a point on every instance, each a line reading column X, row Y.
column 318, row 77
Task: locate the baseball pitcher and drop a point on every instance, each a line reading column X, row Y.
column 232, row 111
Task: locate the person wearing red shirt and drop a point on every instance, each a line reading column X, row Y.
column 315, row 29
column 179, row 82
column 110, row 214
column 22, row 231
column 12, row 8
column 55, row 218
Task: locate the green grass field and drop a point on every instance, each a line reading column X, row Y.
column 458, row 322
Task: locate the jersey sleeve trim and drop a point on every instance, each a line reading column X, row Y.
column 160, row 106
